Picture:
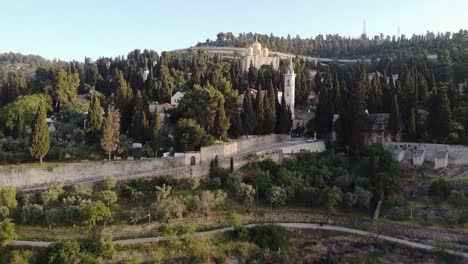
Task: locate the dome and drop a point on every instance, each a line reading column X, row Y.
column 257, row 45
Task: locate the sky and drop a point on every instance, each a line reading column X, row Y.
column 71, row 30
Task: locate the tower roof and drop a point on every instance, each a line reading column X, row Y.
column 256, row 44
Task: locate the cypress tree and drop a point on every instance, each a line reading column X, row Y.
column 260, row 113
column 39, row 143
column 284, row 118
column 221, row 123
column 235, row 130
column 249, row 119
column 124, row 99
column 395, row 120
column 156, row 137
column 139, row 125
column 108, row 134
column 95, row 118
column 20, row 131
column 268, row 115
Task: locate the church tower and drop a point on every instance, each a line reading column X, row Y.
column 289, row 87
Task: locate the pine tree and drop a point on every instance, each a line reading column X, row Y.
column 39, row 143
column 156, row 136
column 94, row 123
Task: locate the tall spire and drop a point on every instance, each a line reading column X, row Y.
column 364, row 28
column 291, row 66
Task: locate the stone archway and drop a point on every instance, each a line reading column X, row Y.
column 193, row 160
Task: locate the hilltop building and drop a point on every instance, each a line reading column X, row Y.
column 290, row 87
column 258, row 56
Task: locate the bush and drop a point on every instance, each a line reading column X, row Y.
column 7, row 232
column 32, row 214
column 51, row 195
column 397, row 213
column 454, row 218
column 439, row 188
column 8, row 197
column 395, row 200
column 277, row 196
column 457, row 198
column 95, row 212
column 209, row 200
column 200, row 252
column 186, row 230
column 109, row 197
column 69, row 252
column 270, row 236
column 246, row 194
column 104, row 245
column 349, row 199
column 169, row 208
column 363, row 197
column 21, row 257
column 4, row 212
column 108, row 183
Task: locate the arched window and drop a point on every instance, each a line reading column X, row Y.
column 193, row 161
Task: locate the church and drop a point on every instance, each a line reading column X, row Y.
column 258, row 56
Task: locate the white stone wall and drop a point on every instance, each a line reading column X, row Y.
column 457, row 154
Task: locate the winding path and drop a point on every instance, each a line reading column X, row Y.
column 287, row 225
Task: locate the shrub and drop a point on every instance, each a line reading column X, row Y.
column 162, row 192
column 104, row 245
column 439, row 188
column 363, row 197
column 395, row 200
column 32, row 214
column 51, row 195
column 21, row 257
column 457, row 198
column 246, row 194
column 186, row 230
column 209, row 200
column 397, row 213
column 349, row 199
column 69, row 252
column 454, row 218
column 169, row 208
column 270, row 236
column 277, row 196
column 108, row 183
column 7, row 232
column 4, row 212
column 109, row 197
column 200, row 252
column 8, row 197
column 95, row 212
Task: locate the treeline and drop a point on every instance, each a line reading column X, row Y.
column 333, row 45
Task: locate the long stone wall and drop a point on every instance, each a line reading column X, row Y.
column 31, row 175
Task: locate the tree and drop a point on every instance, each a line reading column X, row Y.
column 124, row 99
column 139, row 125
column 156, row 135
column 7, row 232
column 95, row 212
column 108, row 196
column 363, row 197
column 162, row 192
column 8, row 197
column 166, row 84
column 246, row 194
column 269, row 120
column 277, row 196
column 168, row 208
column 188, row 136
column 249, row 119
column 394, row 122
column 104, row 245
column 331, row 197
column 260, row 113
column 221, row 123
column 69, row 252
column 95, row 118
column 39, row 143
column 110, row 133
column 66, row 88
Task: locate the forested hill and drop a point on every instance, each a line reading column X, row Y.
column 348, row 47
column 24, row 64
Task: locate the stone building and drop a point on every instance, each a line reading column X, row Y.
column 376, row 129
column 290, row 87
column 259, row 56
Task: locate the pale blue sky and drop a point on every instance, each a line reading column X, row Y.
column 73, row 29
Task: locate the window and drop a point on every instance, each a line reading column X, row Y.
column 380, row 126
column 287, row 83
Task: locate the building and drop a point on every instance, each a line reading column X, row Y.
column 176, row 98
column 441, row 159
column 290, row 87
column 258, row 56
column 376, row 129
column 418, row 157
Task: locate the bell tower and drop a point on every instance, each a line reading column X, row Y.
column 289, row 87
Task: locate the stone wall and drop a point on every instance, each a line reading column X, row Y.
column 25, row 176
